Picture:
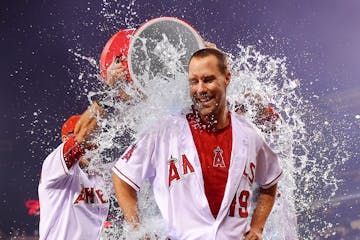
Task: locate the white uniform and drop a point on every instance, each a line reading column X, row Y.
column 72, row 205
column 170, row 150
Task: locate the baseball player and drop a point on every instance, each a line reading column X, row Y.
column 202, row 165
column 73, row 204
column 265, row 117
column 115, row 75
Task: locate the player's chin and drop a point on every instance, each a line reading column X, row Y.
column 206, row 111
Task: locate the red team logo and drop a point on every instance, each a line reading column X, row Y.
column 174, row 170
column 249, row 172
column 218, row 158
column 240, row 202
column 90, row 195
column 128, row 154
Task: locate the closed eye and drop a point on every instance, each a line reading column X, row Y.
column 209, row 79
column 193, row 81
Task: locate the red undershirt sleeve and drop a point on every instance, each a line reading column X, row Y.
column 72, row 152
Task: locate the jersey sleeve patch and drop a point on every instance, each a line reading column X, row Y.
column 129, row 153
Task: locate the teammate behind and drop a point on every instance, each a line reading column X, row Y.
column 72, row 202
column 202, row 165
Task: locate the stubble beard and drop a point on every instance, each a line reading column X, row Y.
column 207, row 116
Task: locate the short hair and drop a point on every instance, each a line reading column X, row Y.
column 220, row 56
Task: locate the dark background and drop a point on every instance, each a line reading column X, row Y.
column 43, row 82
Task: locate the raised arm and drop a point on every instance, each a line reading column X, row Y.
column 87, row 122
column 116, row 73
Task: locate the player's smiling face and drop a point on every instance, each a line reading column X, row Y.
column 208, row 86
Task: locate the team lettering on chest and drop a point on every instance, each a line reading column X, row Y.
column 90, row 195
column 249, row 172
column 179, row 169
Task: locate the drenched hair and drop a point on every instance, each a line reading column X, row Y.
column 220, row 56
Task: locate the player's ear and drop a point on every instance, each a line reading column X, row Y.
column 227, row 78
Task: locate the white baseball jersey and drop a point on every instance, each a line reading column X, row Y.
column 72, row 205
column 168, row 158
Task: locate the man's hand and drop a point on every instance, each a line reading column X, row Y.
column 253, row 235
column 87, row 123
column 116, row 72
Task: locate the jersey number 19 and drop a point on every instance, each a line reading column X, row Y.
column 241, row 203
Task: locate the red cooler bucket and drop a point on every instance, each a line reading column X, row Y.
column 144, row 50
column 117, row 46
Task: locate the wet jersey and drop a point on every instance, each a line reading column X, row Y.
column 73, row 204
column 214, row 150
column 168, row 158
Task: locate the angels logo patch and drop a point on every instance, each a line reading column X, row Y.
column 218, row 158
column 128, row 154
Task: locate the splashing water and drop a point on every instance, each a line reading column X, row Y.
column 309, row 178
column 305, row 169
column 113, row 9
column 266, row 77
column 154, row 96
column 310, row 148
